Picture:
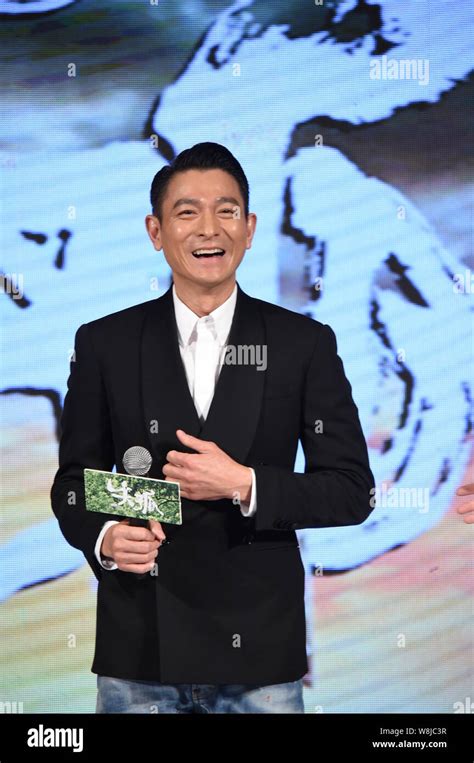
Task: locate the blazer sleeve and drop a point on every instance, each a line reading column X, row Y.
column 335, row 489
column 86, row 441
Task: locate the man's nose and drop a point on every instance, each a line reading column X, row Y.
column 208, row 223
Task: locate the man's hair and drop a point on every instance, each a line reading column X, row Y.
column 202, row 156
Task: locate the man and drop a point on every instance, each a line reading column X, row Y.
column 207, row 616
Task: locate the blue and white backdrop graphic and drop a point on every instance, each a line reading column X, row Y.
column 305, row 96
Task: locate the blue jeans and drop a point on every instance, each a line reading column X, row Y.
column 117, row 695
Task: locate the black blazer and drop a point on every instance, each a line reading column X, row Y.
column 227, row 604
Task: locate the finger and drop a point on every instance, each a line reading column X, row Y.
column 202, row 446
column 184, row 488
column 157, row 530
column 140, row 569
column 176, row 458
column 139, row 547
column 168, row 468
column 466, row 489
column 174, row 480
column 465, row 508
column 126, row 558
column 175, row 473
column 130, row 532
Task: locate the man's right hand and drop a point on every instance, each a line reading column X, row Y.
column 133, row 549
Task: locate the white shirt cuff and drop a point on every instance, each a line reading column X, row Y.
column 105, row 563
column 249, row 509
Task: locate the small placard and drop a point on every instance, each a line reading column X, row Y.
column 131, row 496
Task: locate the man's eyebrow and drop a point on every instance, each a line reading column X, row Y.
column 196, row 202
column 228, row 200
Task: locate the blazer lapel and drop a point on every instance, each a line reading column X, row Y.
column 167, row 402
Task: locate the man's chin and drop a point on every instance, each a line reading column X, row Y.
column 212, row 279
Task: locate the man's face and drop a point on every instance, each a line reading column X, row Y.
column 202, row 210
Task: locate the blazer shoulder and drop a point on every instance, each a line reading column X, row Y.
column 111, row 333
column 120, row 321
column 290, row 320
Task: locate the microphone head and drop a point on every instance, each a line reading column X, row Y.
column 137, row 460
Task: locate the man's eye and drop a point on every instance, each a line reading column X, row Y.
column 187, row 211
column 227, row 210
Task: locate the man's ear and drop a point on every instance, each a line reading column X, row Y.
column 153, row 227
column 251, row 225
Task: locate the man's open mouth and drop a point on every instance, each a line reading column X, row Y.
column 214, row 252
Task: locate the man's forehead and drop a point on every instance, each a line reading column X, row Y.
column 197, row 189
column 202, row 177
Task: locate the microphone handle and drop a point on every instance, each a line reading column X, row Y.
column 135, row 522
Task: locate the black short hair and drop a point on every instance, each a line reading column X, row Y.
column 202, row 156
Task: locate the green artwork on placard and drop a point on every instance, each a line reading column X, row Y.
column 130, row 496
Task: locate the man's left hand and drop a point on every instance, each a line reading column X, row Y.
column 209, row 474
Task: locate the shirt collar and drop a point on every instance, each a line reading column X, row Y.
column 186, row 320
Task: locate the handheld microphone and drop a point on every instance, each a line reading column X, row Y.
column 137, row 462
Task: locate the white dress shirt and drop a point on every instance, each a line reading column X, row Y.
column 202, row 343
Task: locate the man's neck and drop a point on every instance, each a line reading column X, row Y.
column 203, row 301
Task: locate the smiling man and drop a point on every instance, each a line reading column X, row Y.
column 208, row 616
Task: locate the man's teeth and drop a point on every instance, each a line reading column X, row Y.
column 207, row 252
